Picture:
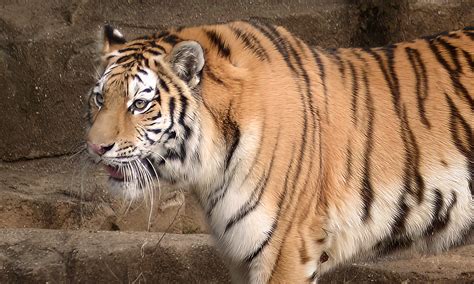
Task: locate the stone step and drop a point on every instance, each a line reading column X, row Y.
column 58, row 256
column 65, row 193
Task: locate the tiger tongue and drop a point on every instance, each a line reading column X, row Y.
column 114, row 172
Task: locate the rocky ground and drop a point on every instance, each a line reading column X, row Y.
column 59, row 224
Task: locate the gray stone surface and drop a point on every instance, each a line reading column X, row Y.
column 47, row 49
column 51, row 256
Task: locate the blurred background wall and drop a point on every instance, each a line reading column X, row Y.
column 47, row 48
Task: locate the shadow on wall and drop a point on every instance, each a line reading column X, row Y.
column 380, row 22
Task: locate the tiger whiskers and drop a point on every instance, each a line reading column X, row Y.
column 149, row 188
column 85, row 165
column 164, row 159
column 138, row 181
column 156, row 175
column 79, row 150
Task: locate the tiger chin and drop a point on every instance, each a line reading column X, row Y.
column 302, row 158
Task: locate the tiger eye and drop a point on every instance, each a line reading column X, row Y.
column 99, row 99
column 139, row 104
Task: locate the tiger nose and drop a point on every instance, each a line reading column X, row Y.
column 100, row 149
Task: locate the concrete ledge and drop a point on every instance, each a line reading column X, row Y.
column 53, row 256
column 34, row 256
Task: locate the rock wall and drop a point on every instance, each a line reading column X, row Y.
column 47, row 49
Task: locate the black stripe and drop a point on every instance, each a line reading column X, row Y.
column 313, row 276
column 161, row 34
column 138, row 78
column 142, row 71
column 222, row 190
column 357, row 54
column 148, row 138
column 413, row 181
column 440, row 221
column 288, row 49
column 110, row 57
column 389, row 245
column 146, row 62
column 282, row 197
column 154, row 52
column 322, row 75
column 164, row 86
column 469, row 59
column 340, row 63
column 367, row 192
column 412, row 162
column 456, row 124
column 469, row 34
column 171, row 39
column 256, row 252
column 398, row 226
column 231, row 133
column 150, row 109
column 181, row 154
column 452, row 51
column 251, row 42
column 251, row 203
column 128, row 49
column 217, row 41
column 454, row 75
column 232, row 136
column 389, row 75
column 123, row 59
column 157, row 46
column 349, row 161
column 355, row 92
column 155, row 131
column 182, row 115
column 453, row 35
column 172, row 105
column 421, row 82
column 410, row 146
column 271, row 34
column 157, row 97
column 126, row 147
column 171, row 135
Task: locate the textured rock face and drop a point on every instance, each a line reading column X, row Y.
column 39, row 256
column 47, row 49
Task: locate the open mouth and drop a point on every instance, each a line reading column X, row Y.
column 117, row 174
column 114, row 172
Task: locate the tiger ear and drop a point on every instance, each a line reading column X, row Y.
column 187, row 60
column 112, row 39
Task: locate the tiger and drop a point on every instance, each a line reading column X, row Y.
column 302, row 158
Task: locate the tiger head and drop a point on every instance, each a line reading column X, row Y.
column 142, row 112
